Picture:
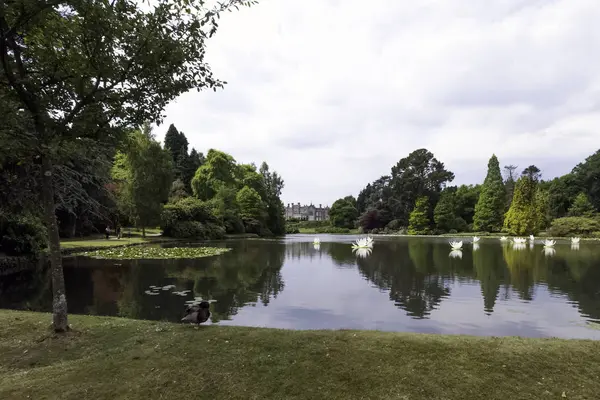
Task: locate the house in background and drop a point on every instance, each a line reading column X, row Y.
column 307, row 213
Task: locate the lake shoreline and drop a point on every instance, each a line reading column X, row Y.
column 444, row 235
column 148, row 360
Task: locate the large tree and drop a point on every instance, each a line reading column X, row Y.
column 587, row 175
column 275, row 209
column 444, row 214
column 419, row 217
column 419, row 174
column 523, row 216
column 581, row 207
column 489, row 211
column 81, row 69
column 145, row 172
column 219, row 169
column 343, row 212
column 509, row 183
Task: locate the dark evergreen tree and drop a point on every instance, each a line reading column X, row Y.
column 509, row 183
column 444, row 214
column 177, row 145
column 582, row 207
column 489, row 211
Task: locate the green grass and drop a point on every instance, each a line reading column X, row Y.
column 100, row 242
column 314, row 231
column 114, row 358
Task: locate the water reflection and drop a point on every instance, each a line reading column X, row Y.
column 492, row 288
column 456, row 254
column 362, row 252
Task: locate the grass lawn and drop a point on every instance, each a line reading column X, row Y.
column 314, row 231
column 100, row 241
column 113, row 358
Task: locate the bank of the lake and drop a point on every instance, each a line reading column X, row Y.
column 122, row 358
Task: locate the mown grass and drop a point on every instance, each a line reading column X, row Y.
column 100, row 242
column 114, row 358
column 314, row 231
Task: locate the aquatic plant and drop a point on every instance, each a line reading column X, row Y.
column 455, row 254
column 456, row 245
column 154, row 253
column 363, row 252
column 363, row 243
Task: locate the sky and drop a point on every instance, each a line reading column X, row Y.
column 332, row 93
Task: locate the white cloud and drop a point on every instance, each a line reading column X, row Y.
column 332, row 93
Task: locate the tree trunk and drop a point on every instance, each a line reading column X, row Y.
column 59, row 298
column 143, row 231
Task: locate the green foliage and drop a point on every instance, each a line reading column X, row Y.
column 252, row 209
column 587, row 178
column 190, row 218
column 581, row 207
column 444, row 214
column 218, row 170
column 489, row 211
column 542, row 209
column 466, row 199
column 154, row 253
column 343, row 213
column 420, row 174
column 522, row 218
column 144, row 171
column 178, row 191
column 21, row 234
column 275, row 208
column 509, row 184
column 419, row 220
column 226, row 208
column 292, row 229
column 561, row 193
column 574, row 226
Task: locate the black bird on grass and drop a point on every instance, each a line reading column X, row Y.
column 197, row 314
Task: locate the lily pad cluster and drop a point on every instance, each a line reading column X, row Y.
column 141, row 252
column 156, row 290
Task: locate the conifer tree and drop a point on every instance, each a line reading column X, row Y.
column 581, row 207
column 522, row 216
column 489, row 211
column 418, row 221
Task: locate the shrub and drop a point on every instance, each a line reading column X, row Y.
column 332, row 229
column 190, row 218
column 452, row 231
column 22, row 235
column 291, row 228
column 571, row 226
column 394, row 225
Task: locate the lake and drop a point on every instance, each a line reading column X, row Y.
column 404, row 284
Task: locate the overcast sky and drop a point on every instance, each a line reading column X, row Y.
column 332, row 93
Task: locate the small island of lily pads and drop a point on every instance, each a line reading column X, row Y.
column 154, row 253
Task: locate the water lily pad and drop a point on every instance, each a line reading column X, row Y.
column 154, row 253
column 151, row 293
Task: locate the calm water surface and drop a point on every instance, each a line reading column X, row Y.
column 404, row 284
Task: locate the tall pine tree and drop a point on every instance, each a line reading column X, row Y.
column 522, row 217
column 489, row 211
column 509, row 183
column 177, row 145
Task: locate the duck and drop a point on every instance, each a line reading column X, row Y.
column 197, row 314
